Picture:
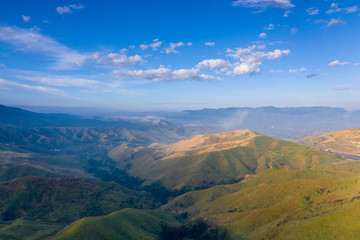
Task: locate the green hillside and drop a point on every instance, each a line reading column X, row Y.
column 307, row 204
column 129, row 224
column 207, row 160
column 65, row 200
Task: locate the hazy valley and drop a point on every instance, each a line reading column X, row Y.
column 165, row 180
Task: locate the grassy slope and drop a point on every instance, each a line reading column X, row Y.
column 8, row 173
column 29, row 230
column 345, row 141
column 125, row 224
column 201, row 167
column 309, row 204
column 64, row 200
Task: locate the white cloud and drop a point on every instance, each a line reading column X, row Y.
column 31, row 41
column 155, row 45
column 297, row 70
column 163, row 74
column 287, row 13
column 213, row 64
column 335, row 9
column 263, row 35
column 4, row 84
column 334, row 21
column 269, row 27
column 123, row 60
column 293, row 30
column 67, row 9
column 209, row 44
column 144, row 46
column 337, row 63
column 250, row 59
column 264, row 3
column 173, row 46
column 25, row 18
column 312, row 11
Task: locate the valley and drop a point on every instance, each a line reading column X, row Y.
column 169, row 181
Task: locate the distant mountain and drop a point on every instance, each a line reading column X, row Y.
column 288, row 123
column 308, row 204
column 207, row 160
column 19, row 117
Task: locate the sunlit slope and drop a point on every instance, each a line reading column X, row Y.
column 307, row 204
column 125, row 224
column 345, row 141
column 206, row 160
column 64, row 200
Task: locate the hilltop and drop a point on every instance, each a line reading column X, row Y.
column 206, row 160
column 345, row 141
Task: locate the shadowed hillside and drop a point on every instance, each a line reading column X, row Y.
column 65, row 199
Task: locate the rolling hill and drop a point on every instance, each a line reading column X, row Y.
column 64, row 200
column 131, row 224
column 345, row 141
column 280, row 204
column 206, row 160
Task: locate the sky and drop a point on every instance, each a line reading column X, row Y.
column 157, row 55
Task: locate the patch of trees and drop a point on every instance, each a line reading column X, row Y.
column 199, row 230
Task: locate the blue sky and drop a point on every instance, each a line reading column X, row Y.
column 146, row 55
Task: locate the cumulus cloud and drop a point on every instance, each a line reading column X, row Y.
column 214, row 64
column 10, row 85
column 337, row 63
column 263, row 35
column 154, row 45
column 263, row 3
column 173, row 46
column 163, row 74
column 67, row 9
column 313, row 11
column 250, row 59
column 209, row 44
column 32, row 41
column 25, row 18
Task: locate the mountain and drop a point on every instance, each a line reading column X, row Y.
column 125, row 224
column 346, row 141
column 206, row 160
column 286, row 123
column 279, row 204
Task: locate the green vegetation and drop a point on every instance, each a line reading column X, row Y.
column 124, row 224
column 308, row 204
column 65, row 200
column 211, row 160
column 29, row 230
